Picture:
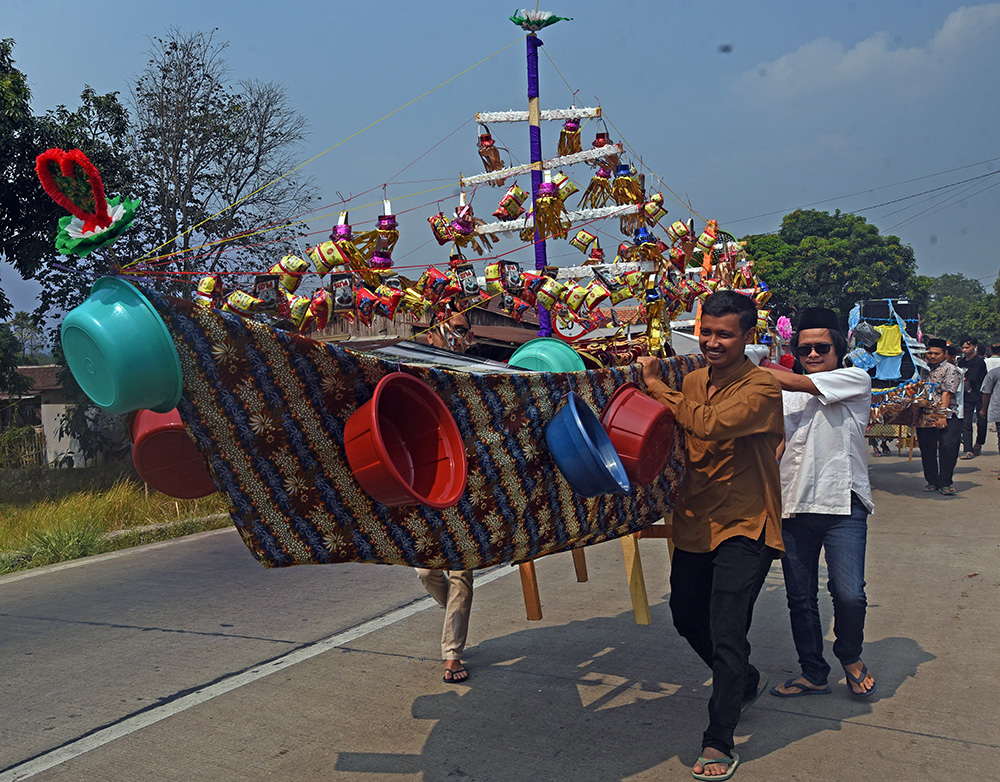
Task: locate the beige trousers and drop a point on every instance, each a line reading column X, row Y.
column 452, row 589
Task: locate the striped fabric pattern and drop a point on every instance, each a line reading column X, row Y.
column 268, row 408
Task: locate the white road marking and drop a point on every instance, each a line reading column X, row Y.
column 136, row 723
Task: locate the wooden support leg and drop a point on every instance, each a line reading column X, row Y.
column 529, row 585
column 580, row 564
column 636, row 582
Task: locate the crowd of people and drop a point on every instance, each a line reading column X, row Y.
column 963, row 396
column 776, row 468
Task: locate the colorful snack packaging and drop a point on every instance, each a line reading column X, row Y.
column 290, row 271
column 242, row 303
column 209, row 293
column 583, row 240
column 465, row 274
column 342, row 286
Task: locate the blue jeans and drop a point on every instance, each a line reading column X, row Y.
column 844, row 539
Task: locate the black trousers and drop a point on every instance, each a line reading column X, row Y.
column 971, row 413
column 711, row 599
column 939, row 451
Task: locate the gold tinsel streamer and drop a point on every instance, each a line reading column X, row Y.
column 598, row 192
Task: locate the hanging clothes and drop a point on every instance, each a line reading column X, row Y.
column 890, row 341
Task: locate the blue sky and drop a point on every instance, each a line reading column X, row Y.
column 829, row 105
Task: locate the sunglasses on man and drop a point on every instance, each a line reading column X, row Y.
column 821, row 348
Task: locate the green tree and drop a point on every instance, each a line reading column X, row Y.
column 26, row 331
column 819, row 259
column 960, row 306
column 11, row 382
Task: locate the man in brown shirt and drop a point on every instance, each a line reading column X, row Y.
column 727, row 521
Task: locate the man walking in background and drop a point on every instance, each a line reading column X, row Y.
column 974, row 367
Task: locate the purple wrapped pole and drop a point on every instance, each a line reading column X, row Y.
column 535, row 139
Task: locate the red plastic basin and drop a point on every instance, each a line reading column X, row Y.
column 167, row 458
column 404, row 447
column 641, row 430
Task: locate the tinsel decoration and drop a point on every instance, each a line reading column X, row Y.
column 610, row 162
column 463, row 228
column 551, row 219
column 626, row 190
column 489, row 154
column 569, row 138
column 377, row 245
column 598, row 192
column 74, row 183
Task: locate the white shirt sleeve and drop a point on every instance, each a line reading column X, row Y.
column 839, row 385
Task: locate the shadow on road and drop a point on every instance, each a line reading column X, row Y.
column 603, row 699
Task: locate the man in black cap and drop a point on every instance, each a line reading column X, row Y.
column 825, row 501
column 939, row 431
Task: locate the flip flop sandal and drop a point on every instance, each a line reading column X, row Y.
column 947, row 491
column 928, row 487
column 449, row 675
column 729, row 763
column 803, row 690
column 966, row 456
column 858, row 681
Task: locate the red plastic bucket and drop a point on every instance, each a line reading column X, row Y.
column 642, row 431
column 167, row 458
column 404, row 446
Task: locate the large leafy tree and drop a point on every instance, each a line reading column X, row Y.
column 960, row 306
column 819, row 259
column 28, row 217
column 213, row 156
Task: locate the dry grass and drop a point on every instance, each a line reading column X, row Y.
column 79, row 523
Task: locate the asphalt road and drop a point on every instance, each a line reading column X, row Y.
column 86, row 645
column 187, row 660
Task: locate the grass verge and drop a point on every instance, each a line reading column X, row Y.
column 95, row 521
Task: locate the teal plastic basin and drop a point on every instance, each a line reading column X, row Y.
column 547, row 354
column 120, row 352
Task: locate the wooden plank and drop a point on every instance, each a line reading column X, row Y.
column 529, row 586
column 636, row 582
column 580, row 564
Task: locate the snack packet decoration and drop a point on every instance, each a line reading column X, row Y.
column 298, row 311
column 365, row 302
column 566, row 185
column 511, row 204
column 583, row 240
column 241, row 303
column 321, row 308
column 653, row 209
column 290, row 270
column 441, row 228
column 432, row 284
column 209, row 293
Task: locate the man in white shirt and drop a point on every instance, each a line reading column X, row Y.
column 826, row 498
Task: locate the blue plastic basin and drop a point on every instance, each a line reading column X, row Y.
column 120, row 351
column 583, row 451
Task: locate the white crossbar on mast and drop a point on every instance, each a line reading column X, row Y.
column 553, row 163
column 581, row 215
column 484, row 117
